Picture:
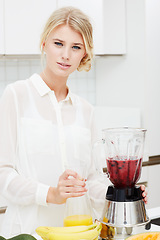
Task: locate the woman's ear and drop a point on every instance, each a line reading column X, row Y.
column 43, row 45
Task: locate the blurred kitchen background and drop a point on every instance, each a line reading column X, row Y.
column 124, row 81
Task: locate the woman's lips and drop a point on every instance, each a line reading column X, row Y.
column 63, row 65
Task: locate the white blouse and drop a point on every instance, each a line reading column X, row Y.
column 40, row 138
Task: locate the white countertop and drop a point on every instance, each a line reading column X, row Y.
column 155, row 228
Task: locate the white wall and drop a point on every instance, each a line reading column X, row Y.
column 153, row 74
column 121, row 78
column 133, row 80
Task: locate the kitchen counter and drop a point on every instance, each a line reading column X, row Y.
column 153, row 160
column 152, row 213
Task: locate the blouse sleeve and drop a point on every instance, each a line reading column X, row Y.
column 13, row 186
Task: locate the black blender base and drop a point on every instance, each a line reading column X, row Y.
column 124, row 194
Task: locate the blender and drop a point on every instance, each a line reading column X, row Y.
column 124, row 206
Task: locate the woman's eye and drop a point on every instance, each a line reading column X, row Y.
column 58, row 43
column 76, row 47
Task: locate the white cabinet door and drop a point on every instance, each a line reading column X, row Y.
column 1, row 26
column 114, row 19
column 24, row 22
column 108, row 20
column 153, row 186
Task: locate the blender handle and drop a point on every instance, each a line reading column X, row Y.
column 99, row 158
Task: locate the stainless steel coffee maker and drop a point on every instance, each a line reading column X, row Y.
column 124, row 206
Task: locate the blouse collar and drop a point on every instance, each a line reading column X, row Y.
column 43, row 89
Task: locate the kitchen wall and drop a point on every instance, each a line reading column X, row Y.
column 126, row 81
column 152, row 97
column 121, row 79
column 132, row 80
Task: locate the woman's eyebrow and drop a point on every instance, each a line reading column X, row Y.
column 78, row 44
column 59, row 40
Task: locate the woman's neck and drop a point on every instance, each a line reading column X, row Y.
column 57, row 84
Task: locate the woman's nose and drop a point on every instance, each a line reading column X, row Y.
column 66, row 53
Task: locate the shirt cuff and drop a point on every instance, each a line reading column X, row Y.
column 41, row 194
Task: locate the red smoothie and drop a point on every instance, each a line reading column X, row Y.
column 124, row 173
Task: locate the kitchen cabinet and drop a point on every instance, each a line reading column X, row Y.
column 24, row 22
column 1, row 27
column 108, row 19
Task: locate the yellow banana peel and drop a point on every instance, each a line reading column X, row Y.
column 76, row 232
column 43, row 231
column 89, row 234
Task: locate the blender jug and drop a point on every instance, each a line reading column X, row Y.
column 124, row 206
column 124, row 153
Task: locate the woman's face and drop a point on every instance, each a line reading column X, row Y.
column 64, row 50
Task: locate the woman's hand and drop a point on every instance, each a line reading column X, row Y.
column 144, row 193
column 70, row 184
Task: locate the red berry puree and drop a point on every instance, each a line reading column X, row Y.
column 124, row 173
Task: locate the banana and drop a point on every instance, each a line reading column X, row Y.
column 87, row 235
column 44, row 231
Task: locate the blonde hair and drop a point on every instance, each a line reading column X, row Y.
column 79, row 22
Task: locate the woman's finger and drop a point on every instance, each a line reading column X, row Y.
column 74, row 182
column 143, row 187
column 144, row 193
column 75, row 189
column 75, row 194
column 70, row 173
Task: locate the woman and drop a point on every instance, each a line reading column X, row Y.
column 46, row 129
